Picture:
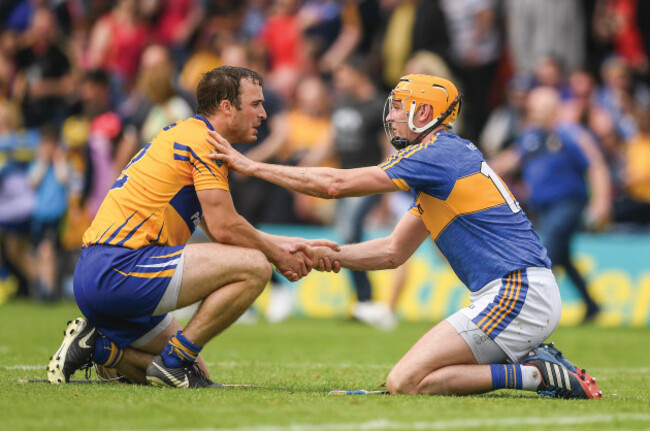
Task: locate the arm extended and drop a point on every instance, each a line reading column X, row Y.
column 382, row 253
column 224, row 225
column 327, row 183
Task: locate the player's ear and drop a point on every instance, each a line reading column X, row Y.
column 225, row 106
column 424, row 112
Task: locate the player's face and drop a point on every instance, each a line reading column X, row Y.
column 250, row 115
column 397, row 119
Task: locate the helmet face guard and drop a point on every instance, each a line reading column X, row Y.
column 395, row 140
column 414, row 90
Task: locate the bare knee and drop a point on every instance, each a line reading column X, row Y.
column 400, row 383
column 259, row 269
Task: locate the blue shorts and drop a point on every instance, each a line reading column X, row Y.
column 118, row 289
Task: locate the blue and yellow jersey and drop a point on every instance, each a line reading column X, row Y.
column 469, row 212
column 154, row 202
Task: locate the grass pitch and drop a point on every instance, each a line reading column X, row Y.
column 296, row 363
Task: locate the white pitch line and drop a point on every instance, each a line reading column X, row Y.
column 299, row 365
column 24, row 367
column 386, row 424
column 596, row 371
column 389, row 366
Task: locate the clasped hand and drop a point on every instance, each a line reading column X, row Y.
column 300, row 257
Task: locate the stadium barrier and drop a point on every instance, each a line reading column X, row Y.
column 617, row 267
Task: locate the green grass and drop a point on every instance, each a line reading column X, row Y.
column 296, row 363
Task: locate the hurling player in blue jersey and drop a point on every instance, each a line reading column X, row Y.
column 470, row 214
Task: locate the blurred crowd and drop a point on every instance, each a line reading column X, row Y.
column 84, row 84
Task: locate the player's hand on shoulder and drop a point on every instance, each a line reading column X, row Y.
column 227, row 154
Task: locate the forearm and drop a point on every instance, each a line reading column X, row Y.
column 600, row 185
column 320, row 182
column 371, row 255
column 241, row 233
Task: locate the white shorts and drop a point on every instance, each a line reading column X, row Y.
column 510, row 316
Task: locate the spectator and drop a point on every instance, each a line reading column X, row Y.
column 43, row 80
column 430, row 29
column 549, row 72
column 396, row 43
column 282, row 40
column 506, row 122
column 333, row 29
column 616, row 21
column 554, row 158
column 634, row 205
column 616, row 95
column 475, row 52
column 48, row 176
column 308, row 126
column 176, row 23
column 357, row 141
column 102, row 129
column 16, row 196
column 551, row 27
column 155, row 82
column 116, row 43
column 581, row 105
column 204, row 57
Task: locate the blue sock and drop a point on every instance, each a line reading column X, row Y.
column 106, row 353
column 180, row 351
column 506, row 376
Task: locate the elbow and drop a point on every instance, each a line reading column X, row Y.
column 221, row 234
column 222, row 237
column 394, row 262
column 395, row 257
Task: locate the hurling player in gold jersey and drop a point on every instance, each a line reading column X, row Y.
column 135, row 265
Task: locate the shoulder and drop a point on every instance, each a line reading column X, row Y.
column 449, row 144
column 188, row 133
column 186, row 129
column 460, row 155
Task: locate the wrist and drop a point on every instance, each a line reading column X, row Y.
column 252, row 167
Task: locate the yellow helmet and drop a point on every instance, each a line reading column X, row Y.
column 414, row 90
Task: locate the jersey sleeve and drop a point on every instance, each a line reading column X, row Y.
column 422, row 168
column 206, row 173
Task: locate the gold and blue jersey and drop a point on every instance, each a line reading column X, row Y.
column 471, row 215
column 154, row 202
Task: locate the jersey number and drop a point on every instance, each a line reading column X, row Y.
column 488, row 172
column 119, row 183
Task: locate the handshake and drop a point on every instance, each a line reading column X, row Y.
column 297, row 257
